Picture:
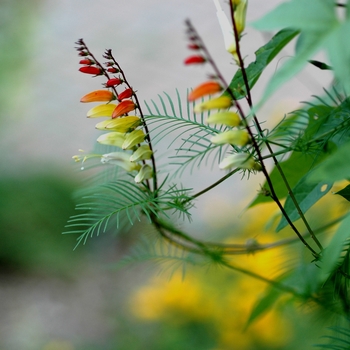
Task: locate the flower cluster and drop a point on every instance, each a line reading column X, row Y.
column 123, row 130
column 235, row 133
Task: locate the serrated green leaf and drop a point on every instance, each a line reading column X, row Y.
column 264, row 55
column 345, row 193
column 332, row 252
column 306, row 194
column 335, row 167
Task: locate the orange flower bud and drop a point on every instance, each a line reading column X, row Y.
column 207, row 88
column 98, row 96
column 194, row 60
column 113, row 82
column 123, row 108
column 125, row 94
column 90, row 70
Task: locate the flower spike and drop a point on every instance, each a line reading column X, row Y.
column 98, row 96
column 142, row 153
column 207, row 88
column 120, row 159
column 123, row 108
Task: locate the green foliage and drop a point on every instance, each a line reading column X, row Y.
column 320, row 29
column 340, row 340
column 264, row 56
column 309, row 149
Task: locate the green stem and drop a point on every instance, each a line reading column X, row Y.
column 260, row 131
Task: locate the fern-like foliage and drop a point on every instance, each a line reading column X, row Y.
column 122, row 203
column 194, row 134
column 340, row 340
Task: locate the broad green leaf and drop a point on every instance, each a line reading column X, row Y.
column 321, row 29
column 335, row 167
column 293, row 168
column 345, row 192
column 264, row 55
column 306, row 194
column 300, row 14
column 264, row 304
column 332, row 252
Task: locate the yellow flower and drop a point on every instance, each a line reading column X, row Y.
column 142, row 153
column 240, row 15
column 134, row 138
column 238, row 160
column 232, row 137
column 216, row 103
column 120, row 159
column 104, row 110
column 112, row 138
column 145, row 173
column 125, row 124
column 227, row 118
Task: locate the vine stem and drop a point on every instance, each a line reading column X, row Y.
column 148, row 136
column 255, row 144
column 260, row 131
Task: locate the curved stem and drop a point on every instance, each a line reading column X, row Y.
column 260, row 131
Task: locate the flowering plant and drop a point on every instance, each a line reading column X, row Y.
column 309, row 150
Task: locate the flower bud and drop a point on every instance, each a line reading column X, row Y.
column 123, row 108
column 86, row 61
column 113, row 70
column 91, row 70
column 216, row 103
column 125, row 124
column 194, row 60
column 232, row 137
column 120, row 159
column 238, row 160
column 142, row 153
column 134, row 138
column 145, row 173
column 113, row 82
column 125, row 94
column 207, row 88
column 226, row 118
column 194, row 47
column 240, row 12
column 104, row 110
column 98, row 96
column 112, row 138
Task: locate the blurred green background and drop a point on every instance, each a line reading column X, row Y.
column 57, row 298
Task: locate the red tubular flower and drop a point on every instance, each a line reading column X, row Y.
column 90, row 70
column 112, row 70
column 193, row 46
column 207, row 88
column 113, row 82
column 194, row 60
column 123, row 108
column 125, row 94
column 86, row 61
